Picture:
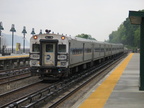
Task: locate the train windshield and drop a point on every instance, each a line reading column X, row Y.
column 61, row 48
column 36, row 47
column 49, row 48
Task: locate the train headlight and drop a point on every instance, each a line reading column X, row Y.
column 63, row 37
column 35, row 37
column 62, row 57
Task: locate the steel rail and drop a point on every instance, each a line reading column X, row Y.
column 6, row 74
column 25, row 73
column 1, row 71
column 13, row 91
column 14, row 80
column 30, row 97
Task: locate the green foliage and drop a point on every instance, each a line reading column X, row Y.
column 127, row 34
column 86, row 36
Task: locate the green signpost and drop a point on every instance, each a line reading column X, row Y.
column 137, row 17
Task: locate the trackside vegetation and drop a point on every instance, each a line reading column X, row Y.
column 127, row 34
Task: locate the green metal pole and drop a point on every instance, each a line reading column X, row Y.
column 12, row 40
column 142, row 55
column 24, row 44
column 0, row 43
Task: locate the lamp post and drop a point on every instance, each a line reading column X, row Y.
column 12, row 30
column 33, row 32
column 1, row 28
column 40, row 32
column 24, row 32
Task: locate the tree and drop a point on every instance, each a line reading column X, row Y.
column 86, row 36
column 127, row 34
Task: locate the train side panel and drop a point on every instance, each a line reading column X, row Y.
column 88, row 51
column 97, row 50
column 75, row 53
column 108, row 50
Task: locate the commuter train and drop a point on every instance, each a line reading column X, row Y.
column 58, row 56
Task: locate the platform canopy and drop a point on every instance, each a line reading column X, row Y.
column 136, row 17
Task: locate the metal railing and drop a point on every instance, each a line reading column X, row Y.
column 9, row 51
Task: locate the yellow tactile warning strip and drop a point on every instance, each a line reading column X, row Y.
column 14, row 56
column 99, row 97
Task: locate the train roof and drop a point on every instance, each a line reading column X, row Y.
column 76, row 38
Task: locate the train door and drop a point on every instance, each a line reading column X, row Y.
column 69, row 52
column 83, row 51
column 48, row 54
column 100, row 50
column 92, row 51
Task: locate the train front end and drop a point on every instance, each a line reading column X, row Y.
column 49, row 56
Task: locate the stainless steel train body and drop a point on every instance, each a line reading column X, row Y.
column 54, row 55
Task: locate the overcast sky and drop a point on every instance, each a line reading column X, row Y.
column 95, row 17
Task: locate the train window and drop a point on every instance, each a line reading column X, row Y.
column 88, row 50
column 77, row 51
column 61, row 48
column 49, row 48
column 36, row 47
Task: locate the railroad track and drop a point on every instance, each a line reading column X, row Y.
column 7, row 80
column 13, row 72
column 12, row 76
column 66, row 87
column 20, row 93
column 15, row 69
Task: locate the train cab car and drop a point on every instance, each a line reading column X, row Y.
column 49, row 55
column 58, row 56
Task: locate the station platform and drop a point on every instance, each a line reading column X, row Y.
column 14, row 61
column 13, row 56
column 120, row 89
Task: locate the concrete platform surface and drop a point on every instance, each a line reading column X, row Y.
column 120, row 89
column 13, row 56
column 126, row 93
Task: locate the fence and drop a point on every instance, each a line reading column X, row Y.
column 9, row 50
